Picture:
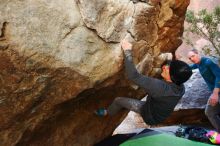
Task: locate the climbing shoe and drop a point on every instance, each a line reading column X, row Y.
column 101, row 112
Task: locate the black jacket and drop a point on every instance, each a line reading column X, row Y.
column 162, row 96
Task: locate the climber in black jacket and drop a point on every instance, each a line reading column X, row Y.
column 163, row 95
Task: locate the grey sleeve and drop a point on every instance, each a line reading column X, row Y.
column 153, row 86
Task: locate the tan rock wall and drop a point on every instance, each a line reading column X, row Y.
column 62, row 60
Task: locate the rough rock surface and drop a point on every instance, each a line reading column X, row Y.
column 197, row 93
column 61, row 60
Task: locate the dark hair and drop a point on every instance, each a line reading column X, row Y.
column 180, row 72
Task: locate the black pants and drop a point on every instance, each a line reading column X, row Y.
column 131, row 104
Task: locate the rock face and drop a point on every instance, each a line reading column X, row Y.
column 61, row 60
column 197, row 93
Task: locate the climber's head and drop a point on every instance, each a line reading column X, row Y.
column 176, row 71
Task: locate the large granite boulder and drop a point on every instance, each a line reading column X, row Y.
column 61, row 60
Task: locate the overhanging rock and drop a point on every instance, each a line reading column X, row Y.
column 61, row 60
